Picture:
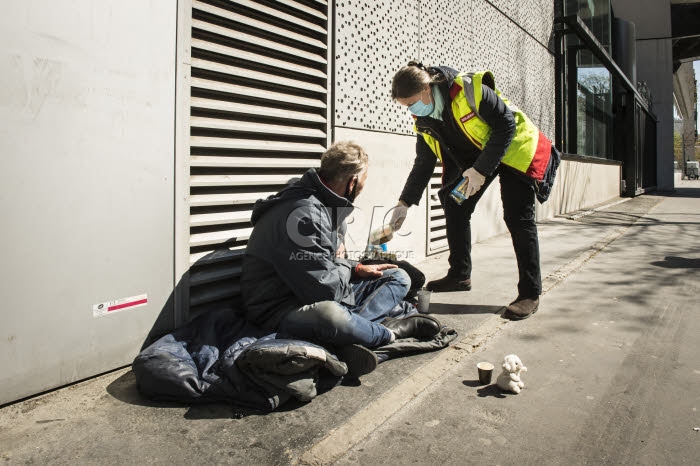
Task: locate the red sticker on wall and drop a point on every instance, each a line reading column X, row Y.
column 110, row 307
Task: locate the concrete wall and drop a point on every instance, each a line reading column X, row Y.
column 86, row 185
column 374, row 39
column 385, row 180
column 580, row 185
column 652, row 19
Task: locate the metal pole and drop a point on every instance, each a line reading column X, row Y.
column 572, row 100
column 559, row 90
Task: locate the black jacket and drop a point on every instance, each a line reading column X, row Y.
column 290, row 258
column 458, row 153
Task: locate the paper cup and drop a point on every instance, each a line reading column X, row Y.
column 485, row 371
column 423, row 301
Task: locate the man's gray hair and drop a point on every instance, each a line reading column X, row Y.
column 341, row 161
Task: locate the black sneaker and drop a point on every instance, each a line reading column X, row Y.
column 448, row 283
column 360, row 360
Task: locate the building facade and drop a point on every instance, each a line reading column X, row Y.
column 138, row 134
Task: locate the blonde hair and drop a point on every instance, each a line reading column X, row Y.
column 343, row 160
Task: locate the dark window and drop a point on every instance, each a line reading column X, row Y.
column 588, row 96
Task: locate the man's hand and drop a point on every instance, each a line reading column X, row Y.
column 398, row 215
column 476, row 181
column 372, row 271
column 341, row 251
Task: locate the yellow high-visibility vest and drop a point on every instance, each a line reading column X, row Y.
column 528, row 152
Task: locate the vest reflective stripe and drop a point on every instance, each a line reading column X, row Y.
column 435, row 147
column 431, row 141
column 528, row 152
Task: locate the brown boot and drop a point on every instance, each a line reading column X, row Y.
column 448, row 283
column 521, row 308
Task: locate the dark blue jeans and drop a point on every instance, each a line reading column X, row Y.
column 329, row 322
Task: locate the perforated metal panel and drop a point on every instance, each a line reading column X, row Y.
column 373, row 39
column 534, row 16
column 259, row 118
column 508, row 39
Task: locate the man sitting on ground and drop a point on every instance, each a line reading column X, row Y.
column 296, row 280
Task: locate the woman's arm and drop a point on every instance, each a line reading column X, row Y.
column 422, row 171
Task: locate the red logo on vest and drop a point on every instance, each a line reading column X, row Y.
column 467, row 117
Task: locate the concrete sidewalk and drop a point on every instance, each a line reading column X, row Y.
column 613, row 374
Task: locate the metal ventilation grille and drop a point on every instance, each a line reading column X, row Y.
column 259, row 119
column 437, row 231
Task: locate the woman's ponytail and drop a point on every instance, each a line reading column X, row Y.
column 412, row 79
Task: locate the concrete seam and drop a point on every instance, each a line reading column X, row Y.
column 341, row 439
column 597, row 209
column 556, row 277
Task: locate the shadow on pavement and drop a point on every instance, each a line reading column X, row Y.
column 491, row 390
column 472, row 383
column 484, row 391
column 693, row 192
column 442, row 308
column 124, row 389
column 674, row 262
column 213, row 411
column 231, row 411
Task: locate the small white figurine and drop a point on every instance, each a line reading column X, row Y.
column 509, row 379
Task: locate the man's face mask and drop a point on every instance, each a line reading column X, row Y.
column 350, row 195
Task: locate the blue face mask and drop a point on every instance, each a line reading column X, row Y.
column 421, row 109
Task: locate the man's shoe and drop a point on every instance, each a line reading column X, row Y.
column 448, row 283
column 421, row 327
column 521, row 308
column 360, row 360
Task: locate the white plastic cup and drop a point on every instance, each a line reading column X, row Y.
column 423, row 301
